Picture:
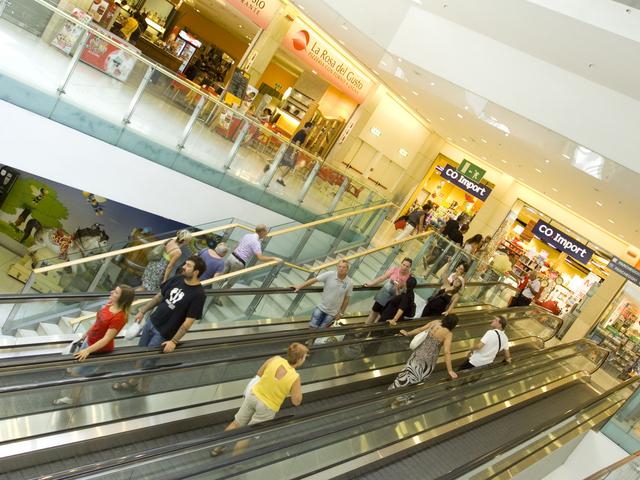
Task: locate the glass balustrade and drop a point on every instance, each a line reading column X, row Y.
column 87, row 78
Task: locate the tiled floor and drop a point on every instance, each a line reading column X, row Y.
column 158, row 115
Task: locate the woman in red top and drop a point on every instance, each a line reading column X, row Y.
column 110, row 319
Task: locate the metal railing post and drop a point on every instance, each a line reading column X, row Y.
column 389, row 260
column 376, row 226
column 266, row 180
column 366, row 204
column 99, row 275
column 236, row 145
column 189, row 126
column 266, row 284
column 308, row 182
column 296, row 301
column 73, row 62
column 339, row 194
column 138, row 95
column 345, row 228
column 301, row 244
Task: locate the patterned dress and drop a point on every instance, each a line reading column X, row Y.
column 421, row 363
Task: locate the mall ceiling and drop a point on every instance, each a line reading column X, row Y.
column 596, row 188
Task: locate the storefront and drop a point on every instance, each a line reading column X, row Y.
column 453, row 192
column 619, row 332
column 569, row 265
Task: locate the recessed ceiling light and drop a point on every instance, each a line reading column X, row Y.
column 399, row 60
column 301, row 7
column 344, row 26
column 483, row 157
column 375, row 131
column 403, row 152
column 403, row 97
column 464, row 139
column 414, row 92
column 240, row 26
column 450, row 139
column 599, row 203
column 459, row 115
column 554, row 189
column 569, row 206
column 314, row 72
column 483, row 140
column 610, row 221
column 466, row 107
column 375, row 71
column 547, row 160
column 340, row 42
column 566, row 156
column 506, row 134
column 197, row 10
column 538, row 170
column 503, row 161
column 433, row 84
column 441, row 118
column 621, row 236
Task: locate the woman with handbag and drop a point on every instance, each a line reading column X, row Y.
column 426, row 349
column 163, row 259
column 110, row 319
column 395, row 280
column 445, row 300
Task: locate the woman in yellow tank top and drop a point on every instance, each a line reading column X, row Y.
column 278, row 379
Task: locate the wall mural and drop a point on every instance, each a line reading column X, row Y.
column 45, row 222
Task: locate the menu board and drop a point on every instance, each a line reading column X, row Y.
column 238, row 83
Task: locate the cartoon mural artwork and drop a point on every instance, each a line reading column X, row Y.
column 43, row 223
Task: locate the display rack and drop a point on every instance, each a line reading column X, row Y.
column 297, row 104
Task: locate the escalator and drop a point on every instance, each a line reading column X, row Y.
column 202, row 383
column 440, row 430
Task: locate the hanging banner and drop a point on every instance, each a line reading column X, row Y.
column 451, row 175
column 624, row 269
column 260, row 12
column 563, row 242
column 329, row 63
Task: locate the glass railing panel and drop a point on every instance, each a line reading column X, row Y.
column 624, row 427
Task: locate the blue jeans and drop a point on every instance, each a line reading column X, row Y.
column 320, row 319
column 150, row 336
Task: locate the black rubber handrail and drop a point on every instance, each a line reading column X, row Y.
column 135, row 352
column 456, row 473
column 71, row 296
column 249, row 432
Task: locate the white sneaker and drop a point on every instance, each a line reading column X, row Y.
column 63, row 401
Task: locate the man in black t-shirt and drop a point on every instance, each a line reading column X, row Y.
column 179, row 304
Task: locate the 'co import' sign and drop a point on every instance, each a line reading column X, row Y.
column 563, row 242
column 476, row 189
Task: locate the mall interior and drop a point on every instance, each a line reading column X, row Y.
column 489, row 147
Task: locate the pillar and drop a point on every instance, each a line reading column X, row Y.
column 496, row 208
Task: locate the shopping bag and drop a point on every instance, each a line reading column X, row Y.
column 132, row 330
column 417, row 340
column 73, row 347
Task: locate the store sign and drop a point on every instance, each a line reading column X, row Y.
column 452, row 175
column 471, row 170
column 330, row 64
column 563, row 242
column 627, row 271
column 260, row 12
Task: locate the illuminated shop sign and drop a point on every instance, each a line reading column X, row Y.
column 450, row 174
column 561, row 241
column 330, row 64
column 260, row 12
column 624, row 269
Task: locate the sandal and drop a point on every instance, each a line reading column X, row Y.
column 123, row 386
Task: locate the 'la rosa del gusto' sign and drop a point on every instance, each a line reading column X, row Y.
column 330, row 64
column 260, row 12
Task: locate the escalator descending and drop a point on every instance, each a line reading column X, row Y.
column 337, row 368
column 344, row 438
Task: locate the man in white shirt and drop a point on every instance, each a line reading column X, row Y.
column 492, row 342
column 529, row 292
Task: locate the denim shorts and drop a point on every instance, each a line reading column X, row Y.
column 320, row 319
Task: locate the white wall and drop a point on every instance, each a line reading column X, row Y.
column 51, row 150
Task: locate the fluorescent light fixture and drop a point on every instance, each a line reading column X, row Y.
column 599, row 203
column 450, row 139
column 554, row 189
column 538, row 170
column 403, row 97
column 566, row 156
column 414, row 92
column 441, row 118
column 375, row 131
column 433, row 84
column 340, row 42
column 483, row 157
column 376, row 72
column 610, row 221
column 483, row 140
column 464, row 139
column 428, row 119
column 506, row 134
column 240, row 26
column 466, row 107
column 344, row 26
column 568, row 206
column 403, row 152
column 301, row 7
column 314, row 72
column 503, row 161
column 547, row 160
column 459, row 115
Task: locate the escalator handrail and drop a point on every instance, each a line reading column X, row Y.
column 35, row 297
column 613, row 467
column 141, row 353
column 248, row 432
column 37, row 361
column 457, row 473
column 122, row 251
